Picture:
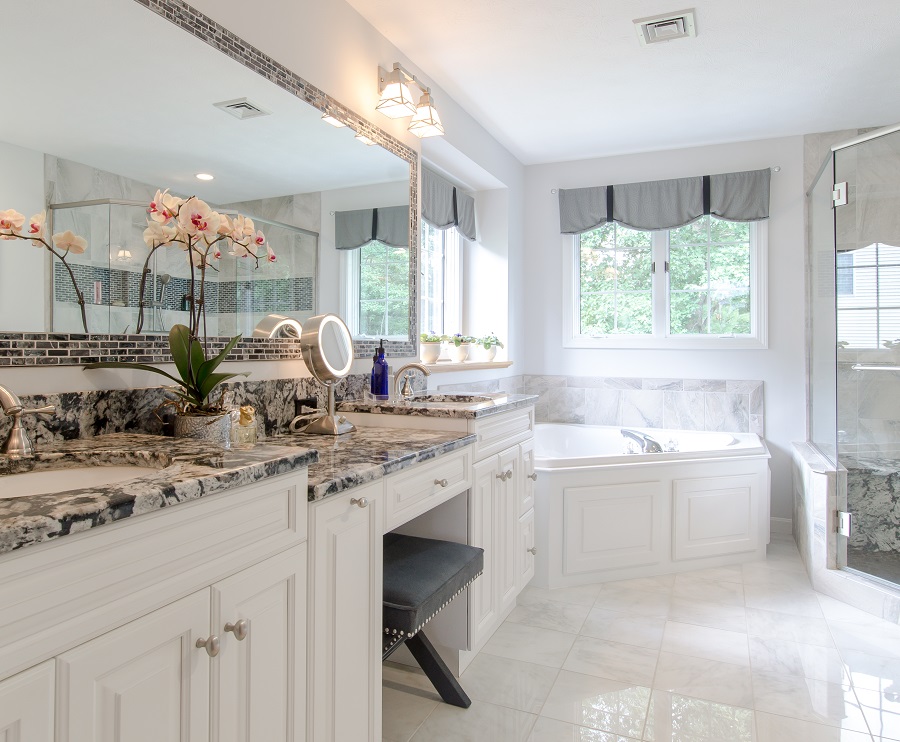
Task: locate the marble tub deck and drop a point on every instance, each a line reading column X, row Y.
column 188, row 469
column 440, row 408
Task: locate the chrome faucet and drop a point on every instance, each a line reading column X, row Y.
column 407, row 391
column 647, row 444
column 18, row 444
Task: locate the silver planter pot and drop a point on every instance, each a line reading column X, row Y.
column 212, row 428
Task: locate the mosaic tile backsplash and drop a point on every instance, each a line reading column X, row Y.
column 683, row 404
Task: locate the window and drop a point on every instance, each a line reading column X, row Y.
column 376, row 296
column 439, row 281
column 701, row 285
column 868, row 296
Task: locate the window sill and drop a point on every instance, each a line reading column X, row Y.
column 442, row 366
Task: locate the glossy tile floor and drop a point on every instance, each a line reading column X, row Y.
column 737, row 654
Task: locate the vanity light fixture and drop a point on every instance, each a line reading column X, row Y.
column 329, row 119
column 364, row 139
column 396, row 101
column 204, row 176
column 123, row 256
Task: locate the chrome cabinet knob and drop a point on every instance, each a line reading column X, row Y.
column 211, row 645
column 361, row 502
column 509, row 473
column 533, row 551
column 441, row 482
column 533, row 476
column 239, row 629
column 502, row 476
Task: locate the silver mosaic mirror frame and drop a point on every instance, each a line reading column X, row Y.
column 71, row 349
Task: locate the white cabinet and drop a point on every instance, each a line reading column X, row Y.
column 345, row 618
column 529, row 477
column 143, row 682
column 483, row 593
column 27, row 705
column 526, row 550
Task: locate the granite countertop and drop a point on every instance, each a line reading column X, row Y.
column 442, row 405
column 368, row 454
column 188, row 469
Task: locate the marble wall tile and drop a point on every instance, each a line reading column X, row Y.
column 488, row 385
column 704, row 385
column 673, row 385
column 742, row 387
column 684, row 410
column 512, row 384
column 566, row 405
column 727, row 412
column 643, row 408
column 756, row 425
column 602, row 406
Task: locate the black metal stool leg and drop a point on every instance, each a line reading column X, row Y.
column 438, row 672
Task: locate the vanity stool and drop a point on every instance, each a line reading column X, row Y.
column 422, row 575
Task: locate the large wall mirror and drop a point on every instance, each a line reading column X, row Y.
column 114, row 101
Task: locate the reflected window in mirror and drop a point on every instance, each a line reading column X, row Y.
column 377, row 291
column 440, row 285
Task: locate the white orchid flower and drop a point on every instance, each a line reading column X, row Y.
column 226, row 225
column 36, row 228
column 158, row 234
column 11, row 223
column 239, row 251
column 68, row 241
column 159, row 210
column 197, row 219
column 259, row 239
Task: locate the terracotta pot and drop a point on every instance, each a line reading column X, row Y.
column 212, row 428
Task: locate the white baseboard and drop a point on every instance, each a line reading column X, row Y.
column 780, row 526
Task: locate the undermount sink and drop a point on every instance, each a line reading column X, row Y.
column 46, row 481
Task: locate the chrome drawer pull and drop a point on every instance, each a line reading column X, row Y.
column 359, row 502
column 533, row 476
column 240, row 629
column 211, row 645
column 441, row 482
column 509, row 473
column 532, row 550
column 502, row 476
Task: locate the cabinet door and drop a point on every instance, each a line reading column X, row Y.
column 484, row 610
column 26, row 705
column 345, row 627
column 506, row 527
column 525, row 554
column 143, row 682
column 526, row 500
column 261, row 670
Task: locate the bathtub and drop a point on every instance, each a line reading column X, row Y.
column 605, row 514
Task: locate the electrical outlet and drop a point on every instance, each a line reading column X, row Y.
column 310, row 403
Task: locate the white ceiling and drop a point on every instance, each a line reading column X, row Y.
column 567, row 80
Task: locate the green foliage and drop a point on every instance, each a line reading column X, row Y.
column 196, row 379
column 430, row 337
column 383, row 290
column 488, row 341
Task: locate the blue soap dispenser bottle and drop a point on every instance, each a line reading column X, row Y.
column 379, row 386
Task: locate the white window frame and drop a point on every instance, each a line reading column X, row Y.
column 349, row 297
column 453, row 275
column 661, row 339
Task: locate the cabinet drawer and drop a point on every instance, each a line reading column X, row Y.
column 498, row 432
column 413, row 492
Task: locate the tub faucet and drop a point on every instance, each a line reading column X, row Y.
column 407, row 391
column 647, row 444
column 18, row 444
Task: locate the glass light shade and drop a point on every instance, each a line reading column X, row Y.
column 396, row 100
column 426, row 122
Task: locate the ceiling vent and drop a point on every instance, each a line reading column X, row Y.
column 241, row 108
column 677, row 25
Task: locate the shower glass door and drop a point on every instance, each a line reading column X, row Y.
column 867, row 287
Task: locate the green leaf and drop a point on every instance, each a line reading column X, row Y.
column 180, row 345
column 198, row 358
column 136, row 366
column 213, row 380
column 213, row 363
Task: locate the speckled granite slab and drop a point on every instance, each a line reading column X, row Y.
column 188, row 469
column 442, row 407
column 368, row 454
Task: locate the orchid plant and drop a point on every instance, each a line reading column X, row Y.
column 201, row 233
column 12, row 224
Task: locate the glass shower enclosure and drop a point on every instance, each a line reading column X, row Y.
column 854, row 349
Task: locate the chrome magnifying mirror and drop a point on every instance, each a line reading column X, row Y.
column 327, row 347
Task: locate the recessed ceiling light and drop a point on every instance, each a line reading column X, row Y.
column 329, row 119
column 364, row 139
column 204, row 176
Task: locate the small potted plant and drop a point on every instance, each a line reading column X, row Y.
column 487, row 346
column 459, row 346
column 430, row 347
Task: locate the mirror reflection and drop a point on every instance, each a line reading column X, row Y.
column 114, row 134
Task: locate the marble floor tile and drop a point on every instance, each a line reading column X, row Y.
column 758, row 573
column 630, row 600
column 810, row 700
column 403, row 713
column 676, row 718
column 772, row 728
column 655, row 583
column 605, row 659
column 783, row 600
column 598, row 703
column 580, row 594
column 551, row 614
column 530, row 644
column 409, row 679
column 551, row 730
column 794, row 658
column 714, row 615
column 732, row 573
column 625, row 628
column 837, row 610
column 481, row 721
column 708, row 680
column 881, row 638
column 874, row 672
column 882, row 711
column 702, row 641
column 504, row 682
column 786, row 626
column 688, row 587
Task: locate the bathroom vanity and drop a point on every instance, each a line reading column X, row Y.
column 252, row 610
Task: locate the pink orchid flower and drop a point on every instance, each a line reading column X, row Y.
column 270, row 254
column 259, row 239
column 68, row 241
column 36, row 228
column 197, row 219
column 11, row 223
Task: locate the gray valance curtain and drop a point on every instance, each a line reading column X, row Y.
column 666, row 204
column 444, row 205
column 353, row 229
